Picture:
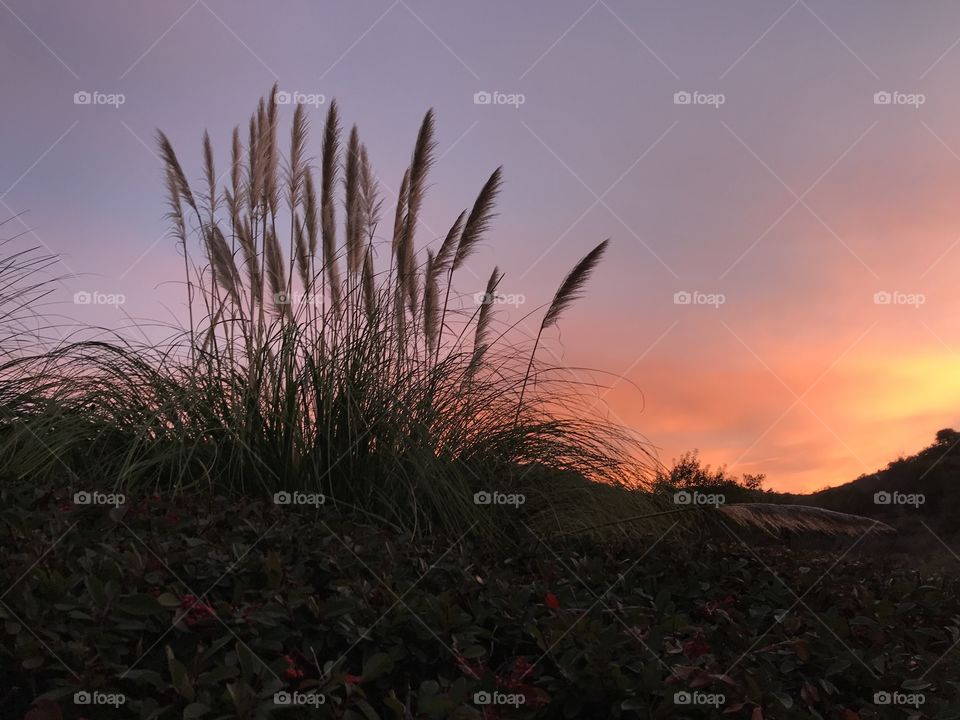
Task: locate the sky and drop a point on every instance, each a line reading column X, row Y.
column 779, row 180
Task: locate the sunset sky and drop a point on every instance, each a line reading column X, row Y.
column 826, row 219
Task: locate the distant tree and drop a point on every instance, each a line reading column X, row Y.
column 947, row 436
column 753, row 481
column 690, row 472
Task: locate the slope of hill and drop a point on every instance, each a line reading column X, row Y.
column 921, row 487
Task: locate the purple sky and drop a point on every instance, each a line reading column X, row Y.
column 796, row 199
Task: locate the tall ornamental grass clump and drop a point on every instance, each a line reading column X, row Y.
column 25, row 282
column 324, row 354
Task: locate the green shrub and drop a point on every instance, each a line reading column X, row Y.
column 204, row 606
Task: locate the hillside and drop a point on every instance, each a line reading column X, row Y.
column 920, row 487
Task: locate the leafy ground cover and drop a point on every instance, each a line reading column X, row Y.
column 207, row 608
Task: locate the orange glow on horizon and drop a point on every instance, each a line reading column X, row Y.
column 857, row 419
